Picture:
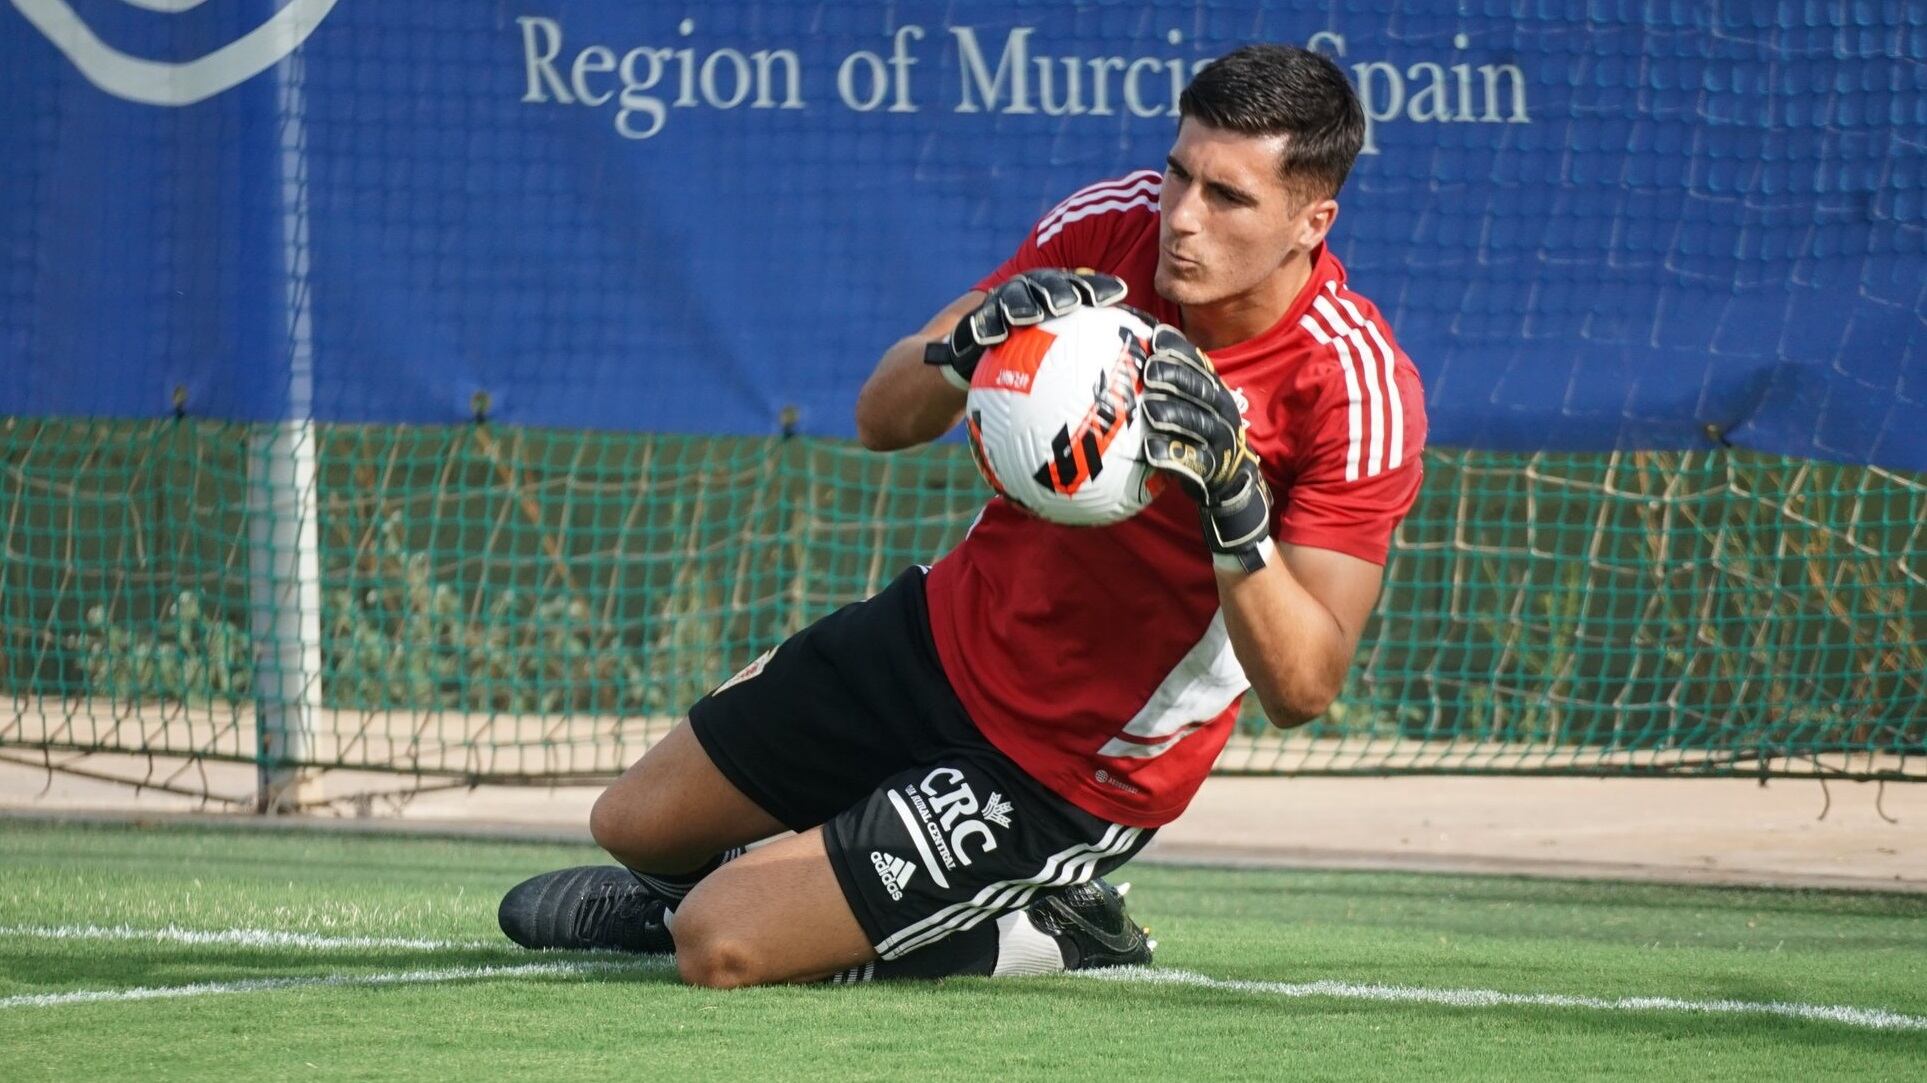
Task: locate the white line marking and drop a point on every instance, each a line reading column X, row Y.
column 246, row 938
column 1864, row 1018
column 1867, row 1018
column 258, row 985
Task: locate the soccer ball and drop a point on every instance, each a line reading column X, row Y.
column 1053, row 417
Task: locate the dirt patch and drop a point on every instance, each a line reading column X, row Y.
column 1789, row 832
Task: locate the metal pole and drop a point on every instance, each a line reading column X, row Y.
column 284, row 560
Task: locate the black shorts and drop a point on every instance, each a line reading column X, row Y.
column 851, row 725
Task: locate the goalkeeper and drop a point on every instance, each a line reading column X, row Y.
column 963, row 756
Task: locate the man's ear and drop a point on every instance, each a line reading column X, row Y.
column 1315, row 221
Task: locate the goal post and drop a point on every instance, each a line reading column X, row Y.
column 284, row 610
column 284, row 509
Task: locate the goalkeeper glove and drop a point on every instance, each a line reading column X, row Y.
column 1198, row 433
column 1028, row 298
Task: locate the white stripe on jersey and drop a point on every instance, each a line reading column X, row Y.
column 1064, row 867
column 1089, row 202
column 1203, row 683
column 1344, row 333
column 1119, row 749
column 1395, row 452
column 1144, row 180
column 1086, row 211
column 1355, row 426
column 1096, row 190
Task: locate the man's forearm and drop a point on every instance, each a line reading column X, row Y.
column 905, row 402
column 1292, row 648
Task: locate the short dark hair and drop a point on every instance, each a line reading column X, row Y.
column 1284, row 90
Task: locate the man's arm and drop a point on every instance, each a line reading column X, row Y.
column 906, row 402
column 1293, row 612
column 1294, row 625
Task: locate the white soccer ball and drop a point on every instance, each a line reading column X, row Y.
column 1053, row 417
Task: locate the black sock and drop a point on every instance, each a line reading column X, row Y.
column 673, row 887
column 973, row 951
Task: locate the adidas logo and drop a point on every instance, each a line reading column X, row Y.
column 894, row 871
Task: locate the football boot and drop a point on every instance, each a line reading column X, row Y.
column 1090, row 924
column 587, row 907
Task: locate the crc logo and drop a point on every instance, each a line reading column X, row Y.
column 955, row 816
column 169, row 82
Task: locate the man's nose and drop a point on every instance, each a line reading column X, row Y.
column 1182, row 215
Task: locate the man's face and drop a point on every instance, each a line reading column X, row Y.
column 1228, row 220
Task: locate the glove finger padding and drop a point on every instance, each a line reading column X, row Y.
column 1181, row 381
column 1099, row 289
column 1022, row 302
column 1181, row 457
column 1025, row 299
column 1197, row 433
column 1056, row 292
column 1185, row 401
column 1168, row 340
column 1213, row 436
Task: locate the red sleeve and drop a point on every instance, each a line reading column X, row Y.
column 1327, row 507
column 1079, row 231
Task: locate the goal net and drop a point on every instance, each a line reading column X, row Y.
column 534, row 605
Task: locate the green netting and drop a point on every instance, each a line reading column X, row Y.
column 533, row 605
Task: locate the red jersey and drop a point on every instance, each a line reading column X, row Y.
column 1097, row 657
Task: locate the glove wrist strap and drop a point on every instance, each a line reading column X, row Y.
column 1246, row 560
column 943, row 356
column 1239, row 529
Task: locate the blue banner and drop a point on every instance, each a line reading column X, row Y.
column 1593, row 225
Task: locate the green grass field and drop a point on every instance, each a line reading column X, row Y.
column 293, row 954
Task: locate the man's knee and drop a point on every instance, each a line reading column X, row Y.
column 673, row 810
column 611, row 824
column 635, row 833
column 634, row 819
column 711, row 958
column 778, row 915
